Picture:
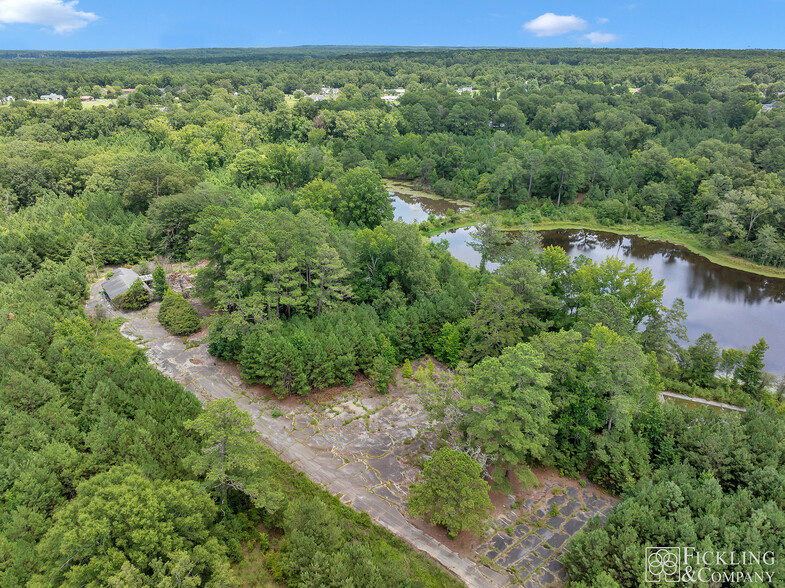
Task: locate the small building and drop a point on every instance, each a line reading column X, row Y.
column 127, row 91
column 315, row 97
column 120, row 282
column 400, row 91
column 8, row 99
column 771, row 106
column 52, row 97
column 389, row 98
column 466, row 90
column 86, row 98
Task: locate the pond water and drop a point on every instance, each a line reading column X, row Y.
column 458, row 240
column 411, row 206
column 737, row 307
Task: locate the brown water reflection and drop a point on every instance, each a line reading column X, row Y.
column 410, row 207
column 735, row 306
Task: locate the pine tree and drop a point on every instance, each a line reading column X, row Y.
column 231, row 455
column 452, row 493
column 407, row 369
column 160, row 286
column 329, row 277
column 750, row 373
column 381, row 373
column 449, row 346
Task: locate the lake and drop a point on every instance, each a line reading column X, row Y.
column 737, row 307
column 411, row 205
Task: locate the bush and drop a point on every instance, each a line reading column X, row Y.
column 136, row 298
column 177, row 315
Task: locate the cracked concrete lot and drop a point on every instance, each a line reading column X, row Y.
column 363, row 450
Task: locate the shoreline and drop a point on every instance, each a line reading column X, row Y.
column 663, row 234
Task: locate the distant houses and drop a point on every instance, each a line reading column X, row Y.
column 392, row 96
column 771, row 106
column 52, row 97
column 466, row 90
column 326, row 93
column 86, row 98
column 8, row 99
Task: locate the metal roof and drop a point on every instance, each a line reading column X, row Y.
column 120, row 282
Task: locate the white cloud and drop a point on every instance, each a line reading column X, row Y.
column 597, row 38
column 62, row 16
column 550, row 25
column 603, row 20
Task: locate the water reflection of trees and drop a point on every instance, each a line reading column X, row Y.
column 703, row 280
column 429, row 206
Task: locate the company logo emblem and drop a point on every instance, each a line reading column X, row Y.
column 663, row 564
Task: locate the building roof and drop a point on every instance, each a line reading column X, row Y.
column 120, row 282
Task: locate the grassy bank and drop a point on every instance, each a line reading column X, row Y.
column 665, row 233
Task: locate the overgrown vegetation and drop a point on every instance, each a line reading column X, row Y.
column 554, row 361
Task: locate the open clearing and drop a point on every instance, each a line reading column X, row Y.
column 364, row 447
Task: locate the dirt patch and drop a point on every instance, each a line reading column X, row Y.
column 465, row 543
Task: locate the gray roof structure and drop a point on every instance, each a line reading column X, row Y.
column 120, row 282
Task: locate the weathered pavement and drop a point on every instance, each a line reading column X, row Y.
column 362, row 449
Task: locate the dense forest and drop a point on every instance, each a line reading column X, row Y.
column 635, row 136
column 224, row 158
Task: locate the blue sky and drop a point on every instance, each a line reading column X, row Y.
column 125, row 24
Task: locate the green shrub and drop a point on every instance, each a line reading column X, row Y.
column 177, row 315
column 136, row 298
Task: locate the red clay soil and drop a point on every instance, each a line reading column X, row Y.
column 463, row 544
